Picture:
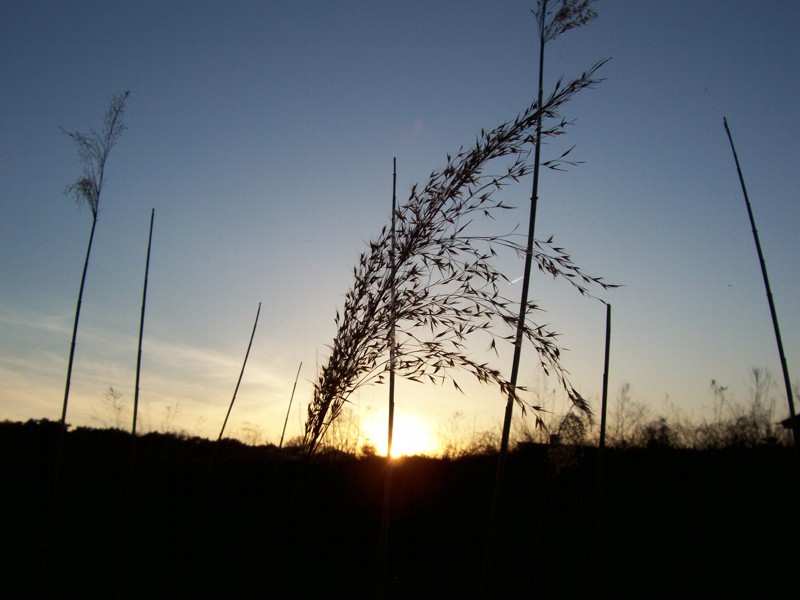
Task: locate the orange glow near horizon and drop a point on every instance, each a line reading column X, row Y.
column 411, row 436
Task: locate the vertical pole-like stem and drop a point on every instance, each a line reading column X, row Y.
column 773, row 313
column 130, row 508
column 387, row 483
column 75, row 328
column 526, row 280
column 604, row 403
column 141, row 331
column 599, row 509
column 286, row 421
column 239, row 381
column 523, row 311
column 54, row 523
column 392, row 312
column 63, row 428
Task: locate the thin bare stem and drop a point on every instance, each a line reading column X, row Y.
column 552, row 22
column 383, row 542
column 241, row 373
column 773, row 312
column 141, row 331
column 288, row 410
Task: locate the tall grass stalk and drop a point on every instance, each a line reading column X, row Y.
column 772, row 311
column 383, row 542
column 554, row 18
column 599, row 563
column 552, row 23
column 604, row 397
column 130, row 503
column 93, row 150
column 141, row 332
column 214, row 451
column 392, row 313
column 448, row 290
column 241, row 373
column 289, row 410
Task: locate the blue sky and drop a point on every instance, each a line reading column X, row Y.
column 263, row 135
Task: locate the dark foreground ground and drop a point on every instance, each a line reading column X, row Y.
column 192, row 522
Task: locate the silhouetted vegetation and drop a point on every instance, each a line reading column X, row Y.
column 93, row 150
column 679, row 522
column 435, row 279
column 773, row 312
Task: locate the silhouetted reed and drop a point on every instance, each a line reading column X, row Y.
column 447, row 286
column 141, row 330
column 554, row 18
column 93, row 150
column 773, row 312
column 241, row 374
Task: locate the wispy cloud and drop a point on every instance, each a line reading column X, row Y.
column 16, row 318
column 199, row 379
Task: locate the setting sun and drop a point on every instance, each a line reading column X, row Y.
column 412, row 436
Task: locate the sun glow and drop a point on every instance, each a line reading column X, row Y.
column 411, row 436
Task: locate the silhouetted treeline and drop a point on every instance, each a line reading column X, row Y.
column 195, row 520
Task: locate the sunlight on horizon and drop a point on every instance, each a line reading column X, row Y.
column 412, row 436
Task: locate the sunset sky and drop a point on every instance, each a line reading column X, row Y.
column 263, row 133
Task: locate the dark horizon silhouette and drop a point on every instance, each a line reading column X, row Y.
column 675, row 523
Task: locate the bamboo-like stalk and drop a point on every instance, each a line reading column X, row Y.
column 241, row 373
column 604, row 400
column 55, row 492
column 93, row 151
column 392, row 311
column 383, row 550
column 130, row 502
column 569, row 15
column 772, row 311
column 141, row 333
column 526, row 280
column 599, row 563
column 75, row 324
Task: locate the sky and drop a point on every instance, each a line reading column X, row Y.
column 262, row 134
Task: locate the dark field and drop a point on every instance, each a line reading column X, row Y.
column 192, row 522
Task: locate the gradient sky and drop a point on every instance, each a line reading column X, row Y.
column 262, row 133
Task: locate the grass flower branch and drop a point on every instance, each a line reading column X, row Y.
column 447, row 286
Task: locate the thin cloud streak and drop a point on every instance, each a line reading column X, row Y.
column 199, row 379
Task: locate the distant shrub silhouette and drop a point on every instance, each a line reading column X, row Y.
column 747, row 424
column 113, row 407
column 658, row 434
column 344, row 435
column 566, row 443
column 626, row 419
column 457, row 439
